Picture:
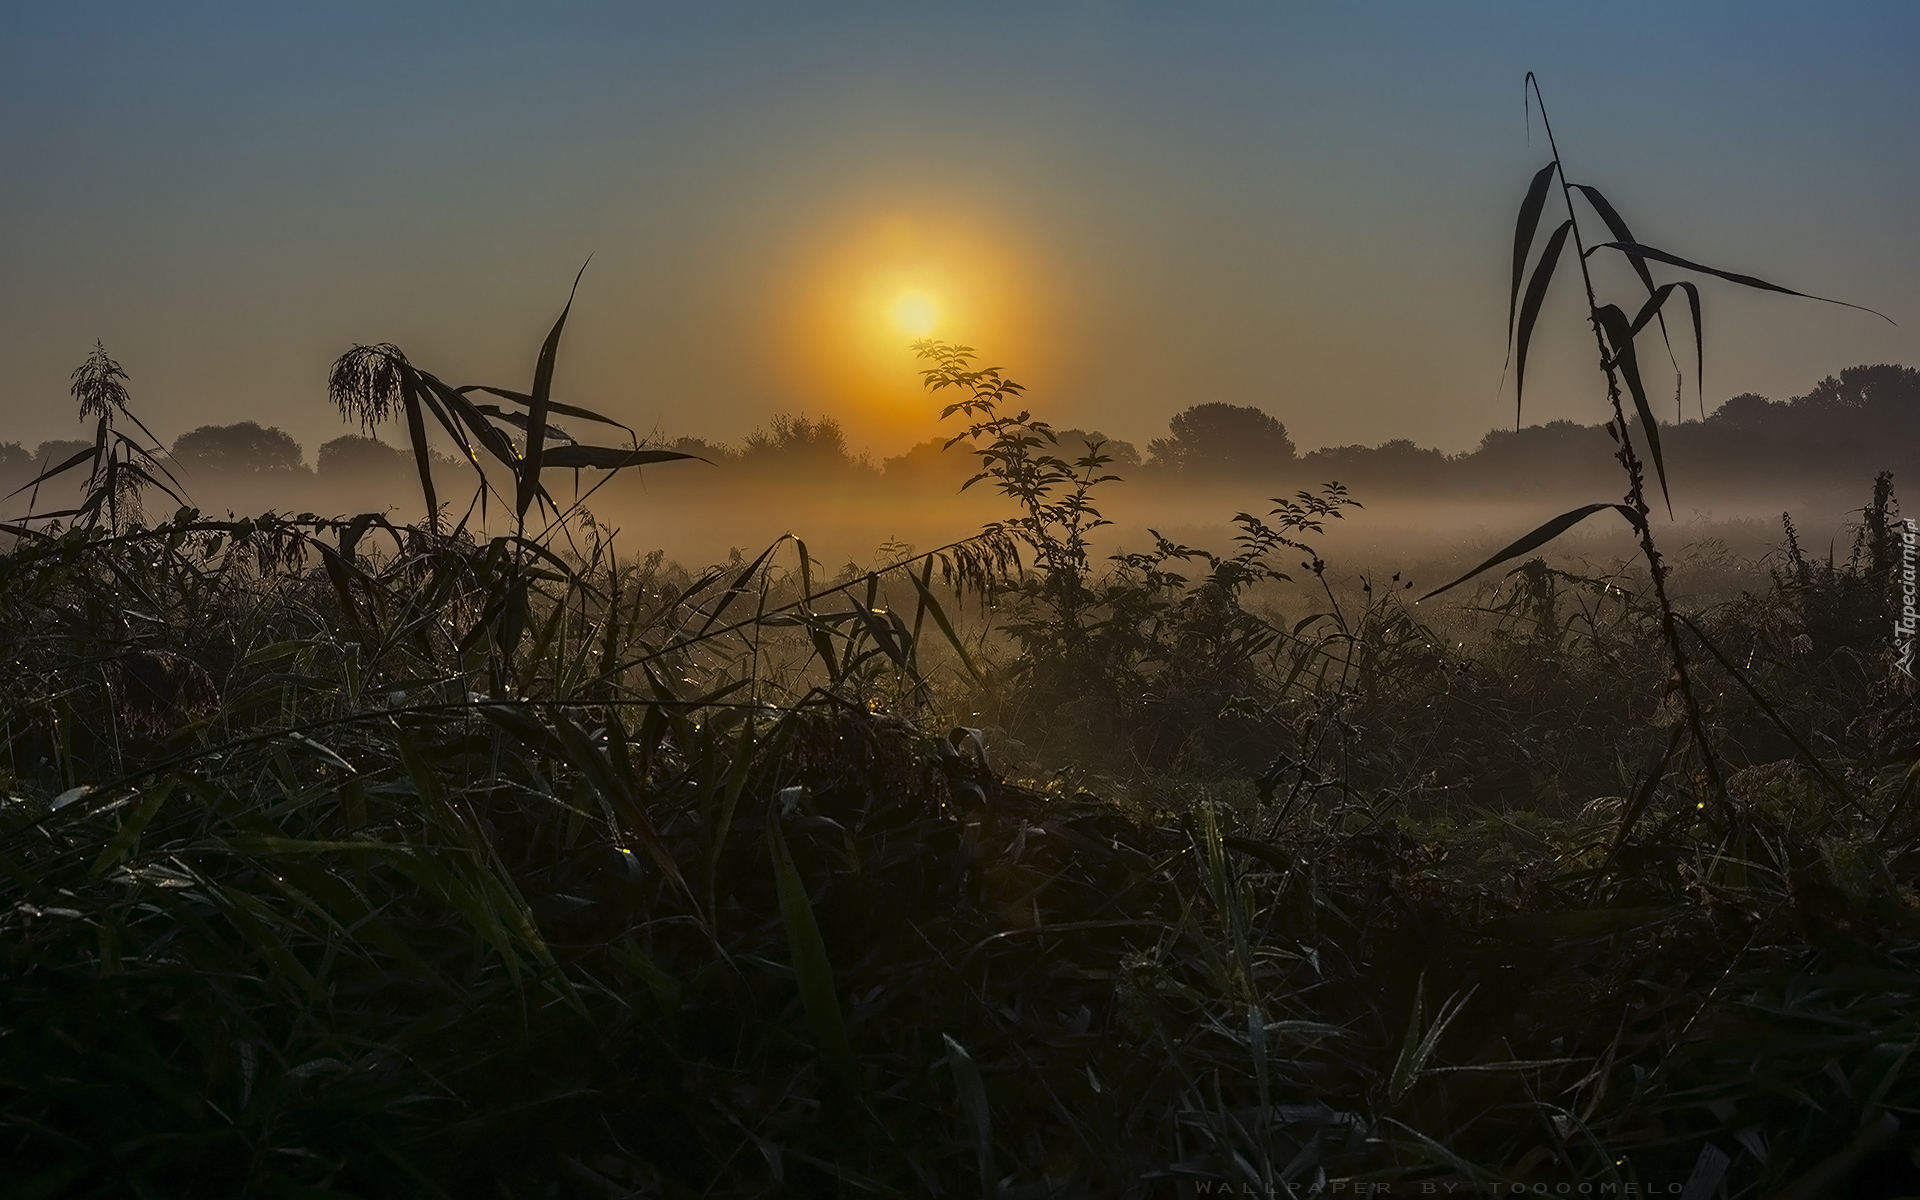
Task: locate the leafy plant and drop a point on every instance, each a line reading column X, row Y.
column 351, row 857
column 1143, row 633
column 370, row 384
column 119, row 468
column 1054, row 497
column 1614, row 338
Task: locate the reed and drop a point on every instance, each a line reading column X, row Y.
column 358, row 857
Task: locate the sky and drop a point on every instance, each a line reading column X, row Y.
column 1131, row 208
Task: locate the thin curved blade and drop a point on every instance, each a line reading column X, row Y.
column 1620, row 336
column 553, row 406
column 1530, row 309
column 532, row 460
column 1635, row 249
column 1523, row 231
column 1540, row 537
column 610, row 458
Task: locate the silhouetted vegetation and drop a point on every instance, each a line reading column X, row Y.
column 363, row 856
column 243, row 449
column 1225, row 438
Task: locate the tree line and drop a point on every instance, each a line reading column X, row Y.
column 1849, row 426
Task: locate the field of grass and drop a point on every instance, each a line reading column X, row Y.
column 350, row 857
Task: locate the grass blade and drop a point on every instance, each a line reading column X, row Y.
column 1523, row 231
column 1413, row 1057
column 1620, row 338
column 1530, row 309
column 417, row 435
column 1617, row 226
column 736, row 782
column 939, row 615
column 1539, row 537
column 1637, row 249
column 88, row 455
column 609, row 458
column 130, row 829
column 553, row 406
column 810, row 963
column 1699, row 346
column 973, row 1102
column 538, row 404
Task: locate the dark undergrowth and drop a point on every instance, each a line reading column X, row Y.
column 316, row 886
column 359, row 858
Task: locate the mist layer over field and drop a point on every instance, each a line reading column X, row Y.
column 1421, row 513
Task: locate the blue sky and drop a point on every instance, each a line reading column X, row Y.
column 1132, row 208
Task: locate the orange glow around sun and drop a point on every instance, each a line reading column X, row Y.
column 863, row 291
column 916, row 314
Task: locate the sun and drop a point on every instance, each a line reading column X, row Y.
column 916, row 313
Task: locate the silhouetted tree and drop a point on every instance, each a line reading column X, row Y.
column 243, row 449
column 355, row 457
column 1395, row 466
column 57, row 450
column 1229, row 438
column 713, row 452
column 794, row 442
column 1884, row 389
column 1748, row 410
column 1073, row 444
column 932, row 462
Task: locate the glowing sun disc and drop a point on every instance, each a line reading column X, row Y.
column 916, row 313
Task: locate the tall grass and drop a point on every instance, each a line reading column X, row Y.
column 349, row 857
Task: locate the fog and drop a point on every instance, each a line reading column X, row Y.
column 1420, row 513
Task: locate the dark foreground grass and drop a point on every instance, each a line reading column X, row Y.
column 344, row 858
column 292, row 908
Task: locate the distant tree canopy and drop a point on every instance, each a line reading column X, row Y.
column 1073, row 444
column 1227, row 438
column 1746, row 410
column 356, row 456
column 1884, row 389
column 795, row 442
column 932, row 462
column 243, row 449
column 796, row 435
column 713, row 452
column 1841, row 432
column 1397, row 465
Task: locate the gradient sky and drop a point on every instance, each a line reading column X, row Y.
column 1132, row 208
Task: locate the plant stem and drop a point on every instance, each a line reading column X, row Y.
column 1636, row 497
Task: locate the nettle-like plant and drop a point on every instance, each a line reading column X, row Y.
column 1614, row 334
column 1152, row 618
column 1055, row 497
column 119, row 467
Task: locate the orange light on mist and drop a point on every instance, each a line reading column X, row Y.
column 858, row 295
column 916, row 313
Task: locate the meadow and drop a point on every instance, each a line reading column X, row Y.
column 479, row 855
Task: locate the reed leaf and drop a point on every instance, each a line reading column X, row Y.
column 1523, row 231
column 808, row 953
column 1540, row 537
column 973, row 1102
column 1530, row 309
column 610, row 458
column 538, row 404
column 1620, row 339
column 1637, row 250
